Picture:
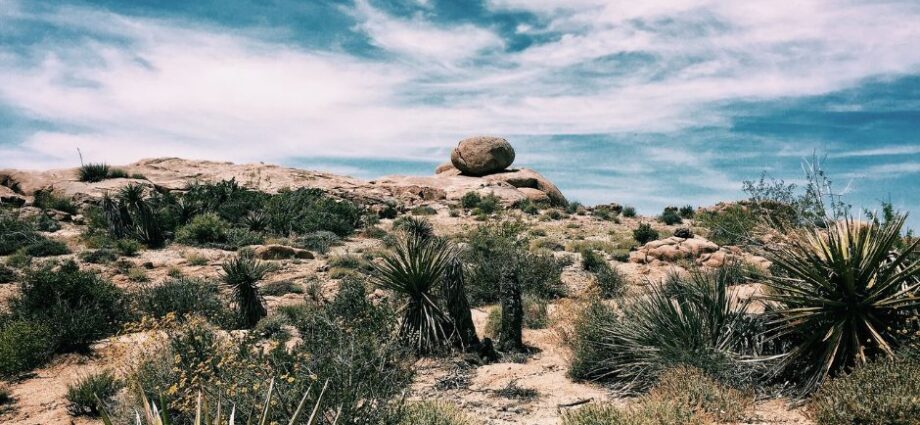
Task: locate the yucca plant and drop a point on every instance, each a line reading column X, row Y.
column 841, row 294
column 414, row 226
column 91, row 173
column 242, row 274
column 414, row 270
column 151, row 414
column 703, row 325
column 130, row 215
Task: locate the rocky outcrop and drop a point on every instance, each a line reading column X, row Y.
column 280, row 252
column 697, row 250
column 482, row 155
column 8, row 197
column 527, row 178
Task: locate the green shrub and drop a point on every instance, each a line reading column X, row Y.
column 470, row 200
column 880, row 392
column 46, row 199
column 644, row 233
column 705, row 326
column 536, row 316
column 575, row 207
column 183, row 297
column 80, row 307
column 670, row 216
column 414, row 226
column 605, row 212
column 91, row 173
column 242, row 274
column 424, row 210
column 46, row 248
column 7, row 274
column 86, row 394
column 15, row 233
column 127, row 247
column 133, row 214
column 489, row 204
column 320, row 241
column 842, row 294
column 592, row 261
column 610, row 282
column 304, row 211
column 24, row 345
column 204, row 230
column 118, row 173
column 44, row 223
column 629, row 212
column 432, row 413
column 240, row 238
column 687, row 212
column 527, row 207
column 732, row 225
column 99, row 256
column 281, row 287
column 19, row 260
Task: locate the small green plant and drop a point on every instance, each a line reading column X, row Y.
column 414, row 226
column 88, row 394
column 880, row 392
column 242, row 274
column 24, row 345
column 127, row 247
column 687, row 212
column 424, row 210
column 320, row 241
column 432, row 413
column 489, row 204
column 731, row 225
column 670, row 216
column 118, row 173
column 46, row 248
column 182, row 297
column 644, row 233
column 629, row 212
column 281, row 287
column 470, row 200
column 99, row 256
column 137, row 274
column 7, row 274
column 46, row 199
column 204, row 230
column 92, row 172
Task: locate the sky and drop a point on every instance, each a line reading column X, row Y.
column 647, row 103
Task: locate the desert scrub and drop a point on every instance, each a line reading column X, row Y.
column 705, row 326
column 536, row 316
column 204, row 230
column 134, row 214
column 629, row 212
column 644, row 234
column 319, row 241
column 242, row 275
column 10, row 183
column 46, row 199
column 731, row 225
column 281, row 287
column 20, row 235
column 670, row 216
column 414, row 226
column 432, row 413
column 183, row 297
column 93, row 172
column 423, row 210
column 79, row 306
column 24, row 345
column 99, row 256
column 7, row 274
column 470, row 200
column 303, row 211
column 46, row 248
column 881, row 392
column 85, row 395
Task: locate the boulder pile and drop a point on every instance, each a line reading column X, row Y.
column 697, row 250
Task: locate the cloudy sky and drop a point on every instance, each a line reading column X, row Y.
column 641, row 102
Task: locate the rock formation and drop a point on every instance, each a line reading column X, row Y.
column 482, row 155
column 697, row 250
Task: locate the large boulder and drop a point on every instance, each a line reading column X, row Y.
column 9, row 197
column 482, row 155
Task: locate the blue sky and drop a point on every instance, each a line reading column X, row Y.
column 646, row 103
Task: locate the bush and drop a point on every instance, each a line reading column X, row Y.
column 470, row 200
column 592, row 261
column 183, row 297
column 610, row 282
column 47, row 200
column 78, row 306
column 414, row 226
column 281, row 287
column 536, row 316
column 732, row 225
column 687, row 212
column 133, row 214
column 670, row 216
column 489, row 204
column 7, row 274
column 15, row 233
column 242, row 274
column 86, row 394
column 424, row 210
column 881, row 392
column 91, row 173
column 705, row 326
column 304, row 211
column 127, row 247
column 204, row 230
column 320, row 241
column 629, row 212
column 644, row 234
column 432, row 413
column 842, row 294
column 46, row 248
column 118, row 173
column 24, row 345
column 99, row 256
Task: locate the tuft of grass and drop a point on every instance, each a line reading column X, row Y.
column 92, row 172
column 87, row 395
column 46, row 199
column 432, row 413
column 204, row 230
column 46, row 248
column 470, row 200
column 7, row 274
column 414, row 226
column 99, row 256
column 281, row 287
column 880, row 392
column 24, row 345
column 513, row 391
column 424, row 210
column 320, row 241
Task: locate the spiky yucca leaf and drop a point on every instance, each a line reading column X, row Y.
column 842, row 293
column 242, row 274
column 414, row 270
column 92, row 173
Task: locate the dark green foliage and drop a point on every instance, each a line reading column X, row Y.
column 24, row 345
column 46, row 199
column 687, row 211
column 489, row 204
column 575, row 207
column 127, row 247
column 880, row 392
column 424, row 210
column 493, row 248
column 670, row 216
column 629, row 212
column 44, row 223
column 183, row 297
column 227, row 198
column 610, row 282
column 281, row 287
column 731, row 225
column 527, row 207
column 842, row 294
column 593, row 261
column 99, row 256
column 11, row 183
column 605, row 212
column 118, row 173
column 413, row 271
column 15, row 233
column 414, row 226
column 78, row 306
column 242, row 274
column 255, row 221
column 132, row 214
column 458, row 306
column 7, row 274
column 320, row 241
column 204, row 230
column 512, row 321
column 91, row 173
column 304, row 211
column 644, row 233
column 86, row 394
column 704, row 326
column 46, row 248
column 470, row 200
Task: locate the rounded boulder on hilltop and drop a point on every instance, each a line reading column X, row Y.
column 482, row 155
